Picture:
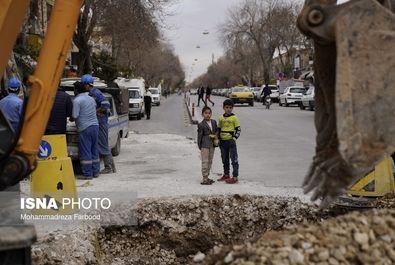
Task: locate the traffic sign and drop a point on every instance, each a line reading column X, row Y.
column 45, row 150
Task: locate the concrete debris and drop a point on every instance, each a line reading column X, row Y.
column 232, row 229
column 341, row 240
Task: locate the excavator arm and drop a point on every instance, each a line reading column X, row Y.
column 355, row 90
column 18, row 154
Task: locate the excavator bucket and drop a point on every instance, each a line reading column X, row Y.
column 355, row 90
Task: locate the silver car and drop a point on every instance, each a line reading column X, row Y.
column 308, row 99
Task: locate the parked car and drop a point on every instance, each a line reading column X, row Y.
column 242, row 95
column 291, row 95
column 155, row 96
column 136, row 103
column 308, row 99
column 118, row 121
column 257, row 92
column 275, row 93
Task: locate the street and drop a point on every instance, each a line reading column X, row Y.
column 275, row 147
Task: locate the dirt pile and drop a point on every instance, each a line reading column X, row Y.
column 356, row 238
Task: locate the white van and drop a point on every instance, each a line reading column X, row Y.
column 155, row 95
column 136, row 88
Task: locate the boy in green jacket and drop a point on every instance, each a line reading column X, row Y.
column 229, row 132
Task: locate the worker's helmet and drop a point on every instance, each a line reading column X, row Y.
column 14, row 84
column 87, row 79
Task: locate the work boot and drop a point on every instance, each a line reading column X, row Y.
column 109, row 165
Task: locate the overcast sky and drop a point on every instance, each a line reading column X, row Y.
column 191, row 18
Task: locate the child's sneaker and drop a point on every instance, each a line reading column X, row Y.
column 223, row 178
column 231, row 181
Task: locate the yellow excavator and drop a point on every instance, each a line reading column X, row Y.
column 18, row 153
column 355, row 94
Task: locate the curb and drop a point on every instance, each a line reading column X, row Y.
column 191, row 120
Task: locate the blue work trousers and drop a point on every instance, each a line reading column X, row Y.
column 229, row 150
column 104, row 149
column 89, row 151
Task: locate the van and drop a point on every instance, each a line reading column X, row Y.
column 136, row 88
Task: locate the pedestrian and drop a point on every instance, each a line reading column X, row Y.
column 229, row 131
column 147, row 102
column 208, row 95
column 207, row 141
column 61, row 110
column 102, row 112
column 84, row 114
column 265, row 92
column 201, row 96
column 11, row 105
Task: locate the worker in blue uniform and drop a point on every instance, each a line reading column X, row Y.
column 12, row 105
column 84, row 114
column 102, row 111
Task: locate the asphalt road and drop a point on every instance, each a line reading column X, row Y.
column 170, row 117
column 276, row 146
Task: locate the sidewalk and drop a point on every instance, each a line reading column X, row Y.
column 165, row 165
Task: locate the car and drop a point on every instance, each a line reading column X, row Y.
column 275, row 93
column 136, row 103
column 257, row 92
column 118, row 122
column 291, row 95
column 308, row 99
column 242, row 95
column 193, row 91
column 155, row 95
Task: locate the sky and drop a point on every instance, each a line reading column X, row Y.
column 186, row 26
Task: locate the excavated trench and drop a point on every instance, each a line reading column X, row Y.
column 192, row 230
column 173, row 231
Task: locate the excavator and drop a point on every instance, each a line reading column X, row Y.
column 355, row 111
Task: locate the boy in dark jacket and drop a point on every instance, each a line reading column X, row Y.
column 207, row 141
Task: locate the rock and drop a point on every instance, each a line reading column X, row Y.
column 229, row 258
column 333, row 261
column 295, row 257
column 386, row 238
column 199, row 257
column 361, row 238
column 324, row 255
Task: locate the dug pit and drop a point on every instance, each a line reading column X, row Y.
column 177, row 230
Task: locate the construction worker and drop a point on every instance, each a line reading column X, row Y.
column 102, row 111
column 12, row 105
column 84, row 114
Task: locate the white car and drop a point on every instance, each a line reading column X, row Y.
column 155, row 95
column 308, row 99
column 275, row 93
column 193, row 91
column 136, row 103
column 257, row 92
column 291, row 95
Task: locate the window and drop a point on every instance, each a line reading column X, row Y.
column 297, row 90
column 154, row 91
column 111, row 107
column 310, row 91
column 134, row 94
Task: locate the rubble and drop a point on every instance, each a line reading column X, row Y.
column 355, row 238
column 229, row 229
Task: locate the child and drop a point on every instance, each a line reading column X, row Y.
column 229, row 130
column 207, row 141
